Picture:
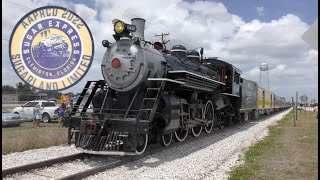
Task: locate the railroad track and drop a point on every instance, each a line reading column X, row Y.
column 41, row 164
column 85, row 173
column 80, row 175
column 100, row 168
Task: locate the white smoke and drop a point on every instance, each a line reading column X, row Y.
column 53, row 39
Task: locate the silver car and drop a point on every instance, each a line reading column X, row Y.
column 9, row 118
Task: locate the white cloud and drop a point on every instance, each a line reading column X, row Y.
column 293, row 65
column 260, row 10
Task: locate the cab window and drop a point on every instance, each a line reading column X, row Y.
column 236, row 77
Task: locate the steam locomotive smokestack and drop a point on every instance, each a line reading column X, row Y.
column 139, row 23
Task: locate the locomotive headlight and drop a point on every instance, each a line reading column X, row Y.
column 119, row 27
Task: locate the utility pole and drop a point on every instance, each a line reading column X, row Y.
column 297, row 105
column 305, row 107
column 294, row 118
column 162, row 35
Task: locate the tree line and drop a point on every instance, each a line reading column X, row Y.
column 26, row 92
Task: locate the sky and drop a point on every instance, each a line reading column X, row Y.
column 244, row 33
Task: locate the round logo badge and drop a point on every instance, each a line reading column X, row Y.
column 51, row 48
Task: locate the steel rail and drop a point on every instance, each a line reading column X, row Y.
column 41, row 164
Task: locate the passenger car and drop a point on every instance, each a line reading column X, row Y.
column 9, row 118
column 47, row 113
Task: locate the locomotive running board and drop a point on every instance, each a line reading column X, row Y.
column 194, row 81
column 197, row 75
column 230, row 94
column 165, row 79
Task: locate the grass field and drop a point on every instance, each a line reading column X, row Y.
column 288, row 152
column 25, row 137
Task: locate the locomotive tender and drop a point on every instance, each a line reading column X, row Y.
column 152, row 95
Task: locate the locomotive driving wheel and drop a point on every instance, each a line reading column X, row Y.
column 196, row 130
column 142, row 142
column 166, row 139
column 222, row 118
column 181, row 134
column 209, row 116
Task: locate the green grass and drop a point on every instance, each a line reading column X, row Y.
column 251, row 166
column 286, row 153
column 26, row 137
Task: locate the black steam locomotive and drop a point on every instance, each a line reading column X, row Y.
column 150, row 95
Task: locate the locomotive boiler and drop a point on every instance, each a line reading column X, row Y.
column 151, row 95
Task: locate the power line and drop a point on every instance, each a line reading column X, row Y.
column 162, row 35
column 146, row 21
column 153, row 26
column 19, row 4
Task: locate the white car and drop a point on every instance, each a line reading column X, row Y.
column 9, row 118
column 47, row 113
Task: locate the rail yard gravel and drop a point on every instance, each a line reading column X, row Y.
column 207, row 158
column 210, row 157
column 36, row 155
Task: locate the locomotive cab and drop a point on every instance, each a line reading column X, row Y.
column 230, row 75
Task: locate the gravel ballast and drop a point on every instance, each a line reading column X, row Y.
column 36, row 155
column 209, row 157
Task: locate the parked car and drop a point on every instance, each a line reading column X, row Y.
column 9, row 118
column 54, row 100
column 47, row 113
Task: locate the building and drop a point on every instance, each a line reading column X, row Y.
column 10, row 97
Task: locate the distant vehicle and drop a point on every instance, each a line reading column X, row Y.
column 54, row 99
column 47, row 113
column 299, row 107
column 9, row 118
